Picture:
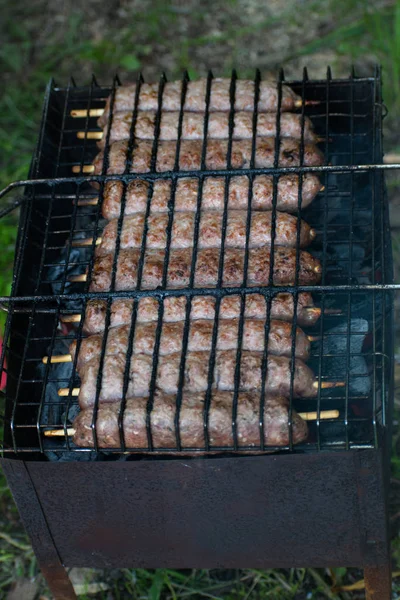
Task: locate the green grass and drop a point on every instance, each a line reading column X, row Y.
column 363, row 33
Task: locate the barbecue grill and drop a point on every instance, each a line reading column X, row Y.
column 231, row 506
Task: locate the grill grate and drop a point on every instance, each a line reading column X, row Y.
column 353, row 244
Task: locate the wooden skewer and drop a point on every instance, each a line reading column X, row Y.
column 65, row 392
column 299, row 103
column 71, row 319
column 86, row 242
column 84, row 169
column 64, row 358
column 325, row 385
column 57, row 358
column 89, row 241
column 324, row 414
column 78, row 278
column 98, row 135
column 98, row 112
column 314, row 338
column 306, row 416
column 83, row 277
column 89, row 135
column 59, row 432
column 316, row 385
column 81, row 113
column 327, row 311
column 76, row 318
column 88, row 202
column 95, row 201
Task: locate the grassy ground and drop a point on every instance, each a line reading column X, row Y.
column 43, row 39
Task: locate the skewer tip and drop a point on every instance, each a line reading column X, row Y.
column 77, row 278
column 332, row 311
column 88, row 202
column 57, row 358
column 314, row 338
column 323, row 415
column 70, row 319
column 89, row 135
column 59, row 432
column 84, row 169
column 299, row 103
column 83, row 112
column 325, row 385
column 313, row 310
column 65, row 392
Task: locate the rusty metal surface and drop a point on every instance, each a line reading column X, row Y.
column 378, row 582
column 59, row 583
column 36, row 525
column 269, row 511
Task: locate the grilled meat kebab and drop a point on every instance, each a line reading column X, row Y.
column 209, row 233
column 190, row 155
column 186, row 195
column 191, row 422
column 202, row 307
column 195, row 375
column 200, row 338
column 290, row 126
column 206, row 270
column 195, row 100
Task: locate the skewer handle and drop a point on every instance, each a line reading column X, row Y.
column 81, row 113
column 314, row 338
column 88, row 202
column 77, row 278
column 299, row 103
column 324, row 414
column 65, row 392
column 89, row 135
column 84, row 169
column 59, row 432
column 326, row 385
column 57, row 358
column 71, row 319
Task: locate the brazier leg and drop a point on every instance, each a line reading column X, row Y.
column 59, row 583
column 378, row 582
column 35, row 523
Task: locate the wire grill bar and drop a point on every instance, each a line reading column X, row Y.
column 350, row 218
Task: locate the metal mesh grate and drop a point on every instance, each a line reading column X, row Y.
column 353, row 337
